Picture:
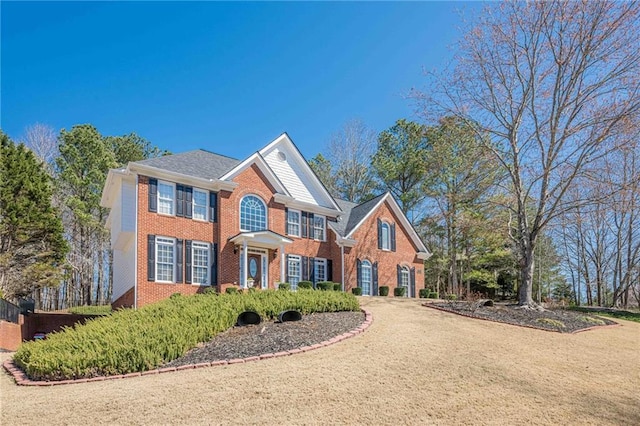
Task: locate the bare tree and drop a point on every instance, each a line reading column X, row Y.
column 349, row 152
column 43, row 141
column 556, row 86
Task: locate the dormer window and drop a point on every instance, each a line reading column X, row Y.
column 386, row 236
column 253, row 214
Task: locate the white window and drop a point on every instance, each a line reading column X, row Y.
column 320, row 269
column 199, row 204
column 165, row 248
column 294, row 269
column 293, row 222
column 318, row 227
column 253, row 214
column 200, row 263
column 166, row 197
column 366, row 278
column 386, row 236
column 404, row 280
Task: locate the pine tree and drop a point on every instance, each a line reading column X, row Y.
column 32, row 244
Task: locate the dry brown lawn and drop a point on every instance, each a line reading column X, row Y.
column 413, row 366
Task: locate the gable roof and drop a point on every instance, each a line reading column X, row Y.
column 259, row 161
column 198, row 163
column 356, row 214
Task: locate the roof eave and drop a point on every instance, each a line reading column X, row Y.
column 212, row 184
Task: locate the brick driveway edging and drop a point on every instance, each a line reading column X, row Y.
column 21, row 378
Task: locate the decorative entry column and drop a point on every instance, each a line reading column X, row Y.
column 243, row 279
column 283, row 264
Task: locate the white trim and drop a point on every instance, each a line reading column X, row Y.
column 173, row 260
column 206, row 204
column 135, row 250
column 291, row 202
column 323, row 261
column 382, row 233
column 173, row 198
column 324, row 227
column 263, row 166
column 266, row 213
column 370, row 267
column 207, row 247
column 423, row 252
column 298, row 259
column 211, row 184
column 299, row 222
column 284, row 138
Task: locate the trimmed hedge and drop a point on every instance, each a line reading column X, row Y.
column 325, row 285
column 231, row 290
column 305, row 285
column 399, row 291
column 130, row 341
column 357, row 291
column 423, row 293
column 337, row 287
column 91, row 310
column 284, row 286
column 383, row 290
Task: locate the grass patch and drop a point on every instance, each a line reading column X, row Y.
column 591, row 320
column 605, row 312
column 551, row 322
column 130, row 341
column 91, row 310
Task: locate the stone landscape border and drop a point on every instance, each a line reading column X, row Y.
column 463, row 314
column 21, row 378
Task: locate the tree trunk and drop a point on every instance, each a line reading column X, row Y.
column 527, row 264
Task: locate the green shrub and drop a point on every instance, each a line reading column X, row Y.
column 399, row 291
column 432, row 295
column 337, row 287
column 252, row 289
column 305, row 284
column 383, row 290
column 357, row 291
column 325, row 285
column 91, row 310
column 231, row 290
column 284, row 286
column 130, row 340
column 452, row 296
column 210, row 290
column 423, row 293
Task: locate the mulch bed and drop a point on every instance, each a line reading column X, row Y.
column 558, row 320
column 271, row 337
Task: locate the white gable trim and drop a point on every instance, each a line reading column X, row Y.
column 423, row 252
column 258, row 160
column 285, row 139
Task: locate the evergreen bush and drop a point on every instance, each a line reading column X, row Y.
column 357, row 291
column 130, row 340
column 325, row 285
column 231, row 290
column 337, row 287
column 284, row 286
column 399, row 291
column 423, row 293
column 305, row 285
column 383, row 290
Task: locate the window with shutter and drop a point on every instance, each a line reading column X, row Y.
column 151, row 257
column 213, row 207
column 153, row 195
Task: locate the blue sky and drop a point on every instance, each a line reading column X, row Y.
column 227, row 77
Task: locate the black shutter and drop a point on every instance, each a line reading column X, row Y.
column 303, row 225
column 151, row 257
column 412, row 282
column 213, row 207
column 312, row 268
column 329, row 270
column 214, row 264
column 359, row 272
column 188, row 262
column 393, row 237
column 312, row 232
column 153, row 195
column 399, row 271
column 180, row 200
column 305, row 268
column 379, row 234
column 179, row 266
column 188, row 202
column 286, row 221
column 374, row 276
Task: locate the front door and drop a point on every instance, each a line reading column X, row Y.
column 254, row 264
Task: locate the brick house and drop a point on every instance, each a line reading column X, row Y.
column 185, row 222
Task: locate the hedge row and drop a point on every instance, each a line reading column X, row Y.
column 134, row 341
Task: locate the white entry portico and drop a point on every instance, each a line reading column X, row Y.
column 256, row 244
